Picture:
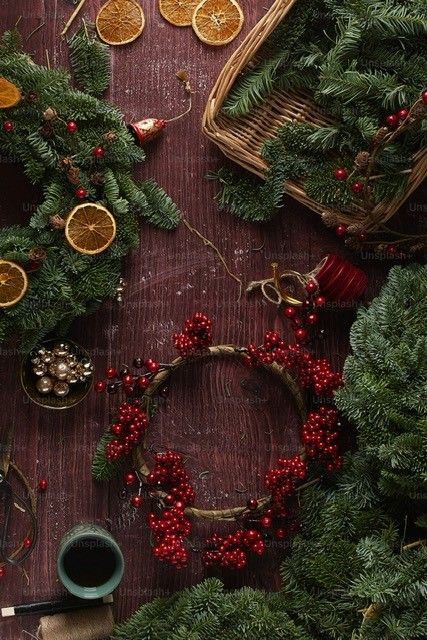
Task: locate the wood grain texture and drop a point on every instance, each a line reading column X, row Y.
column 226, row 420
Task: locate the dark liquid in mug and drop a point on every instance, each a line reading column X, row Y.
column 89, row 562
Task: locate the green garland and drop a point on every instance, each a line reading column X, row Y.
column 64, row 284
column 361, row 60
column 358, row 570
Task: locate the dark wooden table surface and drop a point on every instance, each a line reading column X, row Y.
column 229, row 422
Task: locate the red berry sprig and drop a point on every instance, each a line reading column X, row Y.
column 172, row 526
column 321, row 437
column 128, row 429
column 196, row 336
column 231, row 551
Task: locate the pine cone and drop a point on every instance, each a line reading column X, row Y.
column 354, row 228
column 418, row 110
column 50, row 114
column 73, row 175
column 97, row 178
column 362, row 159
column 414, row 248
column 38, row 254
column 47, row 130
column 57, row 222
column 110, row 136
column 66, row 162
column 380, row 135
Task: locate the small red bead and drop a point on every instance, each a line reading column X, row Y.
column 152, row 365
column 27, row 543
column 72, row 126
column 392, row 120
column 320, row 301
column 2, row 572
column 290, row 312
column 127, row 379
column 130, row 478
column 143, row 382
column 80, row 193
column 137, row 501
column 99, row 152
column 266, row 522
column 301, row 335
column 424, row 96
column 357, row 187
column 43, row 484
column 363, row 236
column 403, row 114
column 341, row 230
column 311, row 286
column 111, row 373
column 280, row 533
column 341, row 173
column 252, row 504
column 312, row 318
column 8, row 126
column 100, row 386
column 392, row 249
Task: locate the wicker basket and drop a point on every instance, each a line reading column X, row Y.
column 242, row 139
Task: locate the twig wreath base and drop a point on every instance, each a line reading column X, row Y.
column 168, row 481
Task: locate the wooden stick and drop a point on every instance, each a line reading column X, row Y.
column 72, row 18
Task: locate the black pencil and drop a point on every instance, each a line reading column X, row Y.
column 55, row 606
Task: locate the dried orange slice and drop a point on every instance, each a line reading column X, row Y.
column 120, row 21
column 10, row 95
column 178, row 12
column 217, row 22
column 13, row 283
column 90, row 228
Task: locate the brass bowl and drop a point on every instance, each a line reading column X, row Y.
column 77, row 392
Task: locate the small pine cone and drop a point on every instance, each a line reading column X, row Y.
column 38, row 254
column 47, row 130
column 73, row 175
column 414, row 248
column 110, row 136
column 330, row 218
column 97, row 178
column 381, row 247
column 418, row 110
column 66, row 162
column 362, row 159
column 50, row 114
column 380, row 135
column 57, row 222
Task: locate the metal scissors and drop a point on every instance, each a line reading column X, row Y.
column 12, row 500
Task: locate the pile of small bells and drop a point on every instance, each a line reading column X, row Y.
column 59, row 368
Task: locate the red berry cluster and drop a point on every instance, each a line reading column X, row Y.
column 321, row 436
column 313, row 373
column 305, row 318
column 232, row 551
column 133, row 384
column 172, row 526
column 393, row 120
column 196, row 336
column 128, row 429
column 282, row 481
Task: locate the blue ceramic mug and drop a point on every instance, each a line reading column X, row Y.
column 90, row 562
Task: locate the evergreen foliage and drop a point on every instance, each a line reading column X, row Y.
column 358, row 569
column 67, row 284
column 361, row 60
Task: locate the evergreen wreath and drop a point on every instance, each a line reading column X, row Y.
column 79, row 149
column 358, row 568
column 169, row 483
column 364, row 64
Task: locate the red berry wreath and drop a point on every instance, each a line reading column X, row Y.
column 169, row 483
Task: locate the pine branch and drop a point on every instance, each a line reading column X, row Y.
column 90, row 61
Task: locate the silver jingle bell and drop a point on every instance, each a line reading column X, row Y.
column 61, row 369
